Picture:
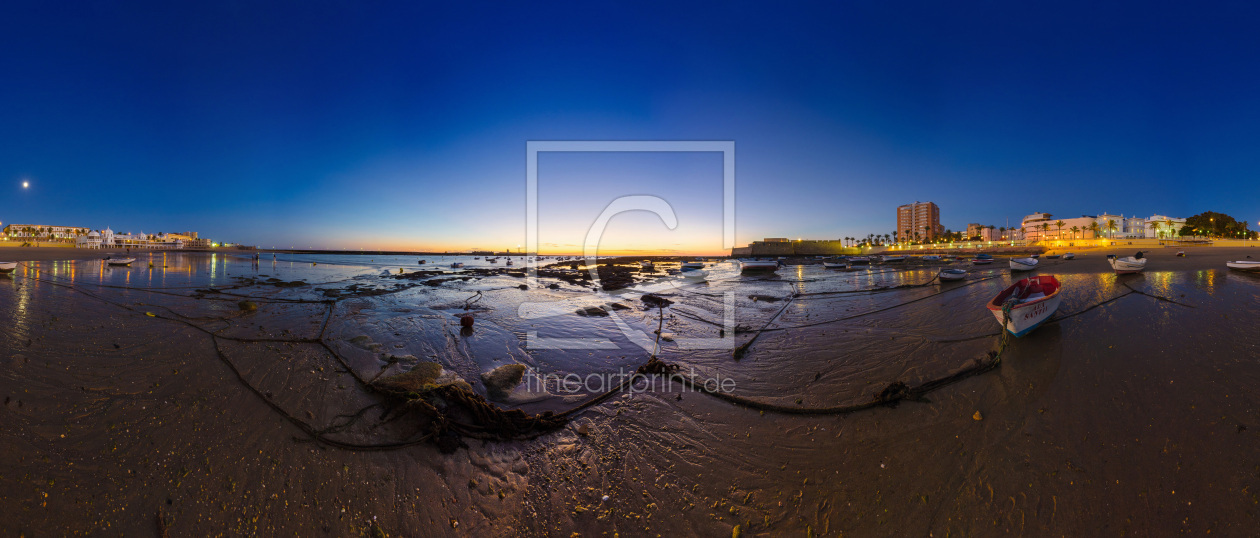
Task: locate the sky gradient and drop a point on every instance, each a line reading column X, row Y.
column 403, row 125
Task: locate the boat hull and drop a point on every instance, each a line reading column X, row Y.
column 1127, row 266
column 8, row 267
column 947, row 276
column 1243, row 266
column 758, row 266
column 1023, row 264
column 1024, row 317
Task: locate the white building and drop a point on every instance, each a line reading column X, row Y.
column 1044, row 227
column 107, row 238
column 91, row 240
column 1162, row 226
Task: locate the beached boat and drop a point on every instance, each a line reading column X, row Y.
column 1024, row 264
column 692, row 266
column 1069, row 256
column 1244, row 265
column 1052, row 256
column 1127, row 265
column 119, row 261
column 982, row 259
column 947, row 275
column 893, row 259
column 422, row 262
column 859, row 260
column 749, row 266
column 7, row 267
column 456, row 265
column 509, row 262
column 931, row 258
column 835, row 265
column 1181, row 253
column 1026, row 304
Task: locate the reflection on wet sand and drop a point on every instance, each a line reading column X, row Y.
column 1136, row 416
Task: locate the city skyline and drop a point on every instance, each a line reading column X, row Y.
column 404, row 127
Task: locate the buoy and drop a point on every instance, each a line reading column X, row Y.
column 465, row 321
column 400, row 270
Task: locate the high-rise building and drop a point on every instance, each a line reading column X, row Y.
column 922, row 218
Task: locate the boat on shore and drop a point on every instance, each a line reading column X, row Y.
column 119, row 261
column 1026, row 304
column 931, row 258
column 8, row 267
column 950, row 275
column 456, row 265
column 1052, row 256
column 1024, row 264
column 1127, row 265
column 835, row 265
column 982, row 259
column 1069, row 256
column 1243, row 265
column 692, row 266
column 758, row 266
column 859, row 260
column 893, row 259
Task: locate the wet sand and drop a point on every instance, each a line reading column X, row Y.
column 1135, row 417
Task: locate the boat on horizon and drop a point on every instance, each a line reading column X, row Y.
column 1127, row 265
column 950, row 275
column 1024, row 264
column 1026, row 304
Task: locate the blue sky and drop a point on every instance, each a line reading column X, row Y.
column 403, row 125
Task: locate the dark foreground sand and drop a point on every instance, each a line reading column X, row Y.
column 1136, row 417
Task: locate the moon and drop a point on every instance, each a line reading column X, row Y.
column 26, row 184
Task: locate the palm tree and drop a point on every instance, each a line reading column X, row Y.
column 1075, row 230
column 1045, row 227
column 894, row 236
column 1060, row 225
column 1002, row 232
column 1111, row 228
column 1093, row 227
column 1155, row 227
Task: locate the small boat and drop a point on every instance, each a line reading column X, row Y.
column 1127, row 265
column 931, row 258
column 1241, row 265
column 1181, row 253
column 1035, row 256
column 748, row 266
column 1069, row 256
column 1052, row 257
column 119, row 261
column 456, row 265
column 893, row 259
column 509, row 262
column 948, row 275
column 836, row 265
column 692, row 266
column 7, row 267
column 492, row 260
column 982, row 259
column 421, row 262
column 1024, row 264
column 1026, row 304
column 859, row 260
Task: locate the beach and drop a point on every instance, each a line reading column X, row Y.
column 142, row 400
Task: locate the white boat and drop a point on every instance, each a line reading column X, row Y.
column 947, row 275
column 456, row 265
column 1026, row 304
column 758, row 265
column 1069, row 256
column 894, row 259
column 859, row 260
column 1127, row 265
column 7, row 267
column 836, row 265
column 119, row 261
column 692, row 266
column 1024, row 264
column 1241, row 265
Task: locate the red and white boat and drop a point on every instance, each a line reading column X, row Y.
column 1026, row 304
